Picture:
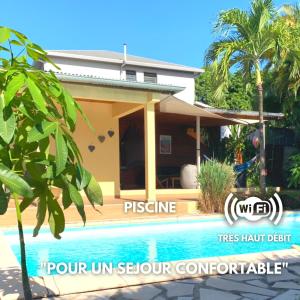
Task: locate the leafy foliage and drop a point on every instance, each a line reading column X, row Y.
column 238, row 143
column 36, row 112
column 216, row 181
column 252, row 42
column 287, row 79
column 294, row 178
column 237, row 95
column 286, row 76
column 247, row 40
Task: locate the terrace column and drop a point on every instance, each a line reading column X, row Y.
column 198, row 143
column 150, row 153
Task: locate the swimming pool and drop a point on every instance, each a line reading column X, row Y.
column 150, row 242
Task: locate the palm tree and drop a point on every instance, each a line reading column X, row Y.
column 287, row 75
column 291, row 13
column 248, row 42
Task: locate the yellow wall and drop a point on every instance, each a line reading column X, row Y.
column 103, row 162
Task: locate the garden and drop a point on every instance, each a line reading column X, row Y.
column 254, row 65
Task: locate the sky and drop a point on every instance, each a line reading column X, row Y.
column 178, row 31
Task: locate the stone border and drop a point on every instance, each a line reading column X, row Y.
column 145, row 219
column 59, row 285
column 142, row 220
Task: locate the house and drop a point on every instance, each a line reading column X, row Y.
column 145, row 119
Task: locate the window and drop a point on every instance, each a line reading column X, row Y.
column 150, row 77
column 165, row 144
column 130, row 75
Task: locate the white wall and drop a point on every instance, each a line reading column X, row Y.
column 180, row 79
column 112, row 71
column 80, row 67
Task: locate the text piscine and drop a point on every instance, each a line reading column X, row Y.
column 152, row 207
column 164, row 268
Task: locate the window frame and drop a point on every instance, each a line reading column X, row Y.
column 132, row 76
column 150, row 75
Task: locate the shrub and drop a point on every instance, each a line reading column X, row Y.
column 294, row 178
column 253, row 175
column 216, row 180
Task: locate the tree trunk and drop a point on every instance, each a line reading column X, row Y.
column 25, row 278
column 262, row 146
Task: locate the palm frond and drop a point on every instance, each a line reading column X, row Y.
column 224, row 47
column 222, row 56
column 291, row 11
column 262, row 12
column 234, row 22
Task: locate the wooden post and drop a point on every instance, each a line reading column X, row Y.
column 198, row 144
column 150, row 156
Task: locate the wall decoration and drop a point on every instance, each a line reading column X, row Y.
column 165, row 144
column 110, row 133
column 101, row 138
column 91, row 148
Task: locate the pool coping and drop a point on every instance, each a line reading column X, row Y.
column 142, row 219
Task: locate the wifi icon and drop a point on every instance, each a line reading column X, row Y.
column 253, row 209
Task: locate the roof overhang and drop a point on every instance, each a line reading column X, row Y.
column 250, row 117
column 174, row 105
column 144, row 86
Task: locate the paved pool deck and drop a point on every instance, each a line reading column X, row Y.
column 225, row 287
column 158, row 287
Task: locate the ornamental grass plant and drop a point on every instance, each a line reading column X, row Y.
column 216, row 180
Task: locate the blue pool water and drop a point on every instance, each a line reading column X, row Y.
column 150, row 242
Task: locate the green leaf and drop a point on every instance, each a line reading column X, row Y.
column 73, row 147
column 3, row 49
column 4, row 199
column 71, row 109
column 83, row 177
column 15, row 183
column 66, row 200
column 25, row 203
column 93, row 192
column 37, row 96
column 13, row 87
column 41, row 130
column 4, row 34
column 32, row 53
column 41, row 213
column 56, row 217
column 77, row 200
column 7, row 122
column 49, row 174
column 84, row 116
column 44, row 145
column 16, row 43
column 61, row 151
column 23, row 109
column 22, row 38
column 55, row 89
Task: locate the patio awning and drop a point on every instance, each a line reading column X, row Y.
column 174, row 105
column 250, row 117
